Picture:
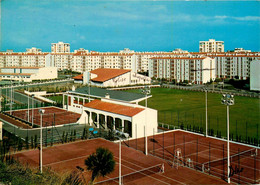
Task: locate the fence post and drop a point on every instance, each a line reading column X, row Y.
column 197, row 152
column 163, row 144
column 223, row 161
column 184, row 150
column 209, row 157
column 153, row 142
column 238, row 165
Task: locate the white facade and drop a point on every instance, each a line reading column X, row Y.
column 60, row 47
column 234, row 65
column 196, row 70
column 255, row 75
column 33, row 50
column 105, row 77
column 27, row 74
column 228, row 64
column 211, row 46
column 128, row 118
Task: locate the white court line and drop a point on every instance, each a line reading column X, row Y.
column 65, row 160
column 156, row 173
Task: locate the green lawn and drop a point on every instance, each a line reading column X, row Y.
column 178, row 107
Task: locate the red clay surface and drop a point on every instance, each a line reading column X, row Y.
column 66, row 157
column 52, row 116
column 196, row 150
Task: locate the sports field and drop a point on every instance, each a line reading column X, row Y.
column 152, row 170
column 187, row 108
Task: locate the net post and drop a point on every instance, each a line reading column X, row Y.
column 202, row 168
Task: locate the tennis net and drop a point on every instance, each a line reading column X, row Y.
column 233, row 158
column 135, row 175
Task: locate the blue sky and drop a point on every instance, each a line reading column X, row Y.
column 103, row 25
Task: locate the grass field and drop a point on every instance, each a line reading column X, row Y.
column 178, row 107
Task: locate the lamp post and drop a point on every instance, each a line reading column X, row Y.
column 120, row 165
column 11, row 97
column 28, row 112
column 41, row 111
column 32, row 109
column 0, row 99
column 228, row 99
column 146, row 90
column 206, row 105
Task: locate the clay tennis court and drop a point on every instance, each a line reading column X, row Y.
column 205, row 154
column 67, row 157
column 51, row 117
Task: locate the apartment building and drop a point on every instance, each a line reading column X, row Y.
column 62, row 60
column 60, row 47
column 25, row 59
column 211, row 46
column 227, row 64
column 198, row 70
column 234, row 64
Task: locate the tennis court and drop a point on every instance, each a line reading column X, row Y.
column 137, row 168
column 52, row 116
column 205, row 154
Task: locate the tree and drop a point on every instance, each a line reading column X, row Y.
column 100, row 163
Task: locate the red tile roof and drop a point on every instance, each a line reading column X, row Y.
column 180, row 58
column 79, row 77
column 104, row 74
column 114, row 108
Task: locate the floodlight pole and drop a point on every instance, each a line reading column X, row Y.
column 11, row 96
column 28, row 112
column 206, row 102
column 32, row 109
column 228, row 100
column 120, row 182
column 228, row 152
column 0, row 99
column 120, row 165
column 146, row 91
column 41, row 112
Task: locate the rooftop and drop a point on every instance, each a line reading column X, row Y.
column 116, row 95
column 104, row 74
column 114, row 108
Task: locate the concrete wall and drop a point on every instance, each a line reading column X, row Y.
column 255, row 75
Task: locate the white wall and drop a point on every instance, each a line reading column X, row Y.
column 146, row 118
column 255, row 75
column 45, row 73
column 129, row 78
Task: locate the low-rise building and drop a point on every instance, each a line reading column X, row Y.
column 105, row 77
column 132, row 119
column 28, row 74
